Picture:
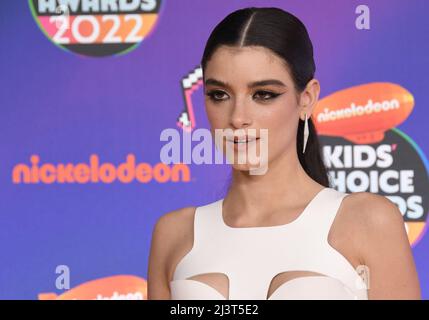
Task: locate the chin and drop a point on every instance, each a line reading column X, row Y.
column 245, row 167
column 241, row 167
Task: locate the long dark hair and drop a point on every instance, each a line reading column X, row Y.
column 286, row 36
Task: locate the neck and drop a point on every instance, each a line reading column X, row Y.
column 284, row 185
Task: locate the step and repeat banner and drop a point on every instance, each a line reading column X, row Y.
column 87, row 87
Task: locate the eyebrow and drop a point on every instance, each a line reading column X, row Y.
column 215, row 82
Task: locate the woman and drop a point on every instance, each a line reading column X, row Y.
column 285, row 234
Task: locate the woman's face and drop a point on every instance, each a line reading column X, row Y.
column 234, row 102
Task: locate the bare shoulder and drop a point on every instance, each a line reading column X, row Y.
column 359, row 215
column 371, row 213
column 170, row 231
column 376, row 226
column 174, row 223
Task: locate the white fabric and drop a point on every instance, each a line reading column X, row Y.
column 252, row 256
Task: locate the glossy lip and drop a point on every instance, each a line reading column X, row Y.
column 246, row 138
column 242, row 146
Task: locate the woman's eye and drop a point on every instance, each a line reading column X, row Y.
column 218, row 96
column 215, row 95
column 266, row 95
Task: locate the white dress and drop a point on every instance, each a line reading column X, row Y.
column 252, row 256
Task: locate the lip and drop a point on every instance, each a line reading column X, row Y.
column 243, row 139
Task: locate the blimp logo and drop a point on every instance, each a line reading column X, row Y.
column 361, row 114
column 120, row 287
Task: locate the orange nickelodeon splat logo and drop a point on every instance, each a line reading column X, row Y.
column 121, row 287
column 362, row 114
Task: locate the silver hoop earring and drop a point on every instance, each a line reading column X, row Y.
column 306, row 132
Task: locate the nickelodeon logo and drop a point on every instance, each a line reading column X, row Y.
column 121, row 287
column 357, row 111
column 363, row 113
column 94, row 172
column 96, row 28
column 366, row 152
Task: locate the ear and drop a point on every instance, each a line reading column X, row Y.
column 308, row 98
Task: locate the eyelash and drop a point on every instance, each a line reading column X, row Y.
column 211, row 95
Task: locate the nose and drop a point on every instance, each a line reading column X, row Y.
column 240, row 116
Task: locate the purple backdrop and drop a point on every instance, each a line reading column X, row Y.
column 63, row 107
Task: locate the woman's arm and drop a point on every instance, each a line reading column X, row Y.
column 158, row 288
column 386, row 251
